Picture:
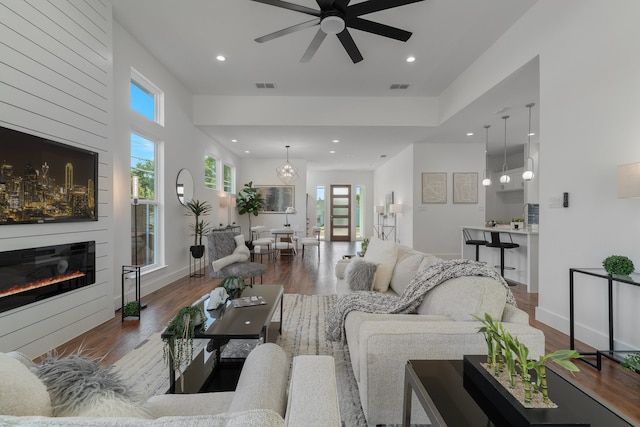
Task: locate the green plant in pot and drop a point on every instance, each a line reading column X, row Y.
column 132, row 308
column 618, row 264
column 631, row 362
column 183, row 327
column 249, row 201
column 200, row 227
column 234, row 285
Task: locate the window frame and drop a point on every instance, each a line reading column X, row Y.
column 215, row 172
column 232, row 180
column 158, row 96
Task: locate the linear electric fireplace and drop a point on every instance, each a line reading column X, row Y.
column 30, row 275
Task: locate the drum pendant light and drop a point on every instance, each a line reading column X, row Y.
column 487, row 173
column 504, row 179
column 527, row 175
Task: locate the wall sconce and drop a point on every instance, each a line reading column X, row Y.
column 629, row 181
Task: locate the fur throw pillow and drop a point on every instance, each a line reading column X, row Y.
column 21, row 392
column 360, row 274
column 80, row 387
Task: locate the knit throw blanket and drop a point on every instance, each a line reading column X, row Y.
column 411, row 298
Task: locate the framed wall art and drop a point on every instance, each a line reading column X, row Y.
column 465, row 187
column 434, row 187
column 277, row 198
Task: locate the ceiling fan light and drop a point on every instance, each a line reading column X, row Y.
column 332, row 25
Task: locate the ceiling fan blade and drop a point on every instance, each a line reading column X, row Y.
column 350, row 46
column 290, row 6
column 288, row 30
column 341, row 4
column 379, row 29
column 325, row 4
column 313, row 46
column 376, row 6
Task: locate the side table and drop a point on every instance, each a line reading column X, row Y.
column 632, row 279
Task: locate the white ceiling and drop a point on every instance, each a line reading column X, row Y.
column 448, row 35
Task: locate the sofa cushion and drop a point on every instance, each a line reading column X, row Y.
column 360, row 275
column 428, row 261
column 463, row 297
column 80, row 387
column 21, row 392
column 384, row 253
column 405, row 270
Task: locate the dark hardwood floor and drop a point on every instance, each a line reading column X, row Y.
column 312, row 275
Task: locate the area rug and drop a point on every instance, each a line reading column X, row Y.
column 302, row 333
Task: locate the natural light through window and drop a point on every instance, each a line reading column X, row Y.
column 210, row 172
column 146, row 98
column 144, row 215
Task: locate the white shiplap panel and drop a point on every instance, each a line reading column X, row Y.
column 78, row 72
column 24, row 64
column 63, row 29
column 51, row 96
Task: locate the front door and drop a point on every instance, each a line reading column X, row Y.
column 340, row 213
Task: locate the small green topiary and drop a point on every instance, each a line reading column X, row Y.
column 618, row 264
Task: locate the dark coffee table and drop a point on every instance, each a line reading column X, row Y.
column 438, row 384
column 229, row 322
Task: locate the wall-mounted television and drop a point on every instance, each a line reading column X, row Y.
column 44, row 181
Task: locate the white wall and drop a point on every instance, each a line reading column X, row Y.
column 58, row 85
column 263, row 172
column 183, row 146
column 363, row 179
column 589, row 112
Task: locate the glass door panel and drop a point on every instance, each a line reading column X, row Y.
column 340, row 213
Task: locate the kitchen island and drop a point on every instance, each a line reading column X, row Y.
column 523, row 260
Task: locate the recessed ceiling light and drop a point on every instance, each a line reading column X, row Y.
column 469, row 133
column 531, row 134
column 411, row 59
column 221, row 58
column 247, row 151
column 234, row 140
column 332, row 152
column 335, row 141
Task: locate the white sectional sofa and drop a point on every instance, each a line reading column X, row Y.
column 442, row 328
column 264, row 396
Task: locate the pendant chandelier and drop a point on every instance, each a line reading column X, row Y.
column 504, row 179
column 527, row 175
column 487, row 174
column 287, row 172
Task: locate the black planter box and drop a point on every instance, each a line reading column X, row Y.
column 504, row 409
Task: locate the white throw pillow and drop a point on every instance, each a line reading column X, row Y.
column 360, row 275
column 21, row 392
column 405, row 270
column 384, row 253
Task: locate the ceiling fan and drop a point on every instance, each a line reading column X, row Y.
column 335, row 17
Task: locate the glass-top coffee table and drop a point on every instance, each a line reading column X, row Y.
column 449, row 401
column 229, row 322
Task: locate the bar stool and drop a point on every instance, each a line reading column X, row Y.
column 477, row 243
column 496, row 243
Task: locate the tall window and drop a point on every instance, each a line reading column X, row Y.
column 146, row 98
column 144, row 215
column 320, row 208
column 228, row 179
column 210, row 172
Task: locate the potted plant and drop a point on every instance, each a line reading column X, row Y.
column 249, row 201
column 183, row 327
column 132, row 308
column 234, row 285
column 631, row 362
column 198, row 208
column 618, row 264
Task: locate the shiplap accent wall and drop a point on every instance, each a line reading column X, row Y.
column 56, row 81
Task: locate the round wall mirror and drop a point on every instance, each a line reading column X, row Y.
column 184, row 186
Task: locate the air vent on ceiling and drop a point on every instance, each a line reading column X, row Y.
column 399, row 86
column 266, row 85
column 382, row 156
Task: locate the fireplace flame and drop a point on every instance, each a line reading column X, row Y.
column 40, row 284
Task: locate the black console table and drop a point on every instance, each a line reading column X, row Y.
column 632, row 279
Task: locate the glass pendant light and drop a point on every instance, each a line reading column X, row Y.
column 487, row 174
column 504, row 179
column 527, row 175
column 287, row 172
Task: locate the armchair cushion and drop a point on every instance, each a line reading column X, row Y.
column 221, row 263
column 21, row 391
